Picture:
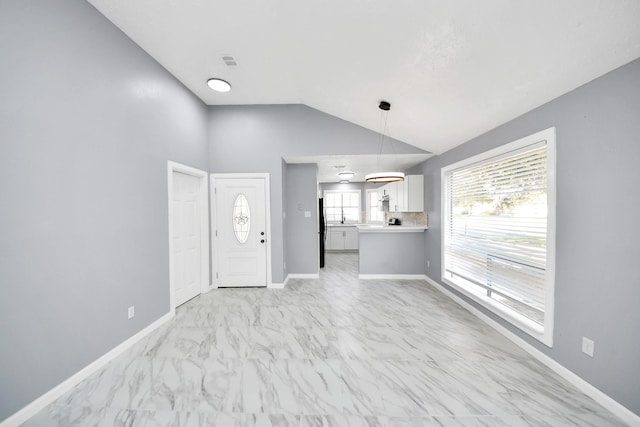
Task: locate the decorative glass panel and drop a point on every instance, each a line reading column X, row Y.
column 241, row 218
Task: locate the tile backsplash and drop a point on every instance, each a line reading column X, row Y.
column 409, row 218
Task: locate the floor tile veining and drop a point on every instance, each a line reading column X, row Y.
column 333, row 351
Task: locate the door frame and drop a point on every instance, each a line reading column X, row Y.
column 213, row 178
column 203, row 203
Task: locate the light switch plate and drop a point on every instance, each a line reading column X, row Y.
column 307, row 214
column 587, row 346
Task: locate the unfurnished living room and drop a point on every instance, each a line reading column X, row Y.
column 337, row 213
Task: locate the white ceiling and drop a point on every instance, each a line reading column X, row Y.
column 452, row 70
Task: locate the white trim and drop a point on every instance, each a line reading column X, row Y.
column 56, row 392
column 274, row 285
column 392, row 277
column 267, row 183
column 203, row 201
column 544, row 333
column 303, row 276
column 603, row 399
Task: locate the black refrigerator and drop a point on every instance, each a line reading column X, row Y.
column 322, row 229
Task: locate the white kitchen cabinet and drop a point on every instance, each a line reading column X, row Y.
column 335, row 241
column 342, row 238
column 351, row 238
column 413, row 193
column 396, row 196
column 406, row 196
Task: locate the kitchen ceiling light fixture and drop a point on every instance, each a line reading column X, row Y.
column 346, row 174
column 344, row 181
column 384, row 176
column 219, row 85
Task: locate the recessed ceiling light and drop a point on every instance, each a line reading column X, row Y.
column 219, row 85
column 344, row 181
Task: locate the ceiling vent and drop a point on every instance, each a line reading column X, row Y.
column 230, row 61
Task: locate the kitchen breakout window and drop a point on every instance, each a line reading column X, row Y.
column 374, row 208
column 498, row 235
column 342, row 206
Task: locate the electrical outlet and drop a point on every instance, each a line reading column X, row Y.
column 131, row 312
column 587, row 346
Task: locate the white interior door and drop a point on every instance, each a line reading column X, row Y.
column 241, row 231
column 186, row 237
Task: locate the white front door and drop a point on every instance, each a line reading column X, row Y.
column 240, row 221
column 186, row 236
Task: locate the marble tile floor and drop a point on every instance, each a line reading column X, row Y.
column 333, row 351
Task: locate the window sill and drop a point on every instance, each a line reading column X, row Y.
column 513, row 317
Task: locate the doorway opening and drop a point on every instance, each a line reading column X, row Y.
column 188, row 233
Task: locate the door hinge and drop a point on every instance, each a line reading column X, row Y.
column 216, row 275
column 216, row 233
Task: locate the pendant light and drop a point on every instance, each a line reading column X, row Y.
column 384, row 176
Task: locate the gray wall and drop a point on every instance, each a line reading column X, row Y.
column 301, row 233
column 254, row 138
column 87, row 123
column 403, row 253
column 598, row 232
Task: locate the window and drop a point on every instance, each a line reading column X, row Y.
column 374, row 211
column 499, row 231
column 241, row 218
column 342, row 206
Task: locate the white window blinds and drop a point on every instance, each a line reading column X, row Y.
column 495, row 236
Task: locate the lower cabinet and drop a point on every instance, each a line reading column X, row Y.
column 342, row 239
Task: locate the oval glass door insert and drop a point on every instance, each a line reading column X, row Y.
column 241, row 218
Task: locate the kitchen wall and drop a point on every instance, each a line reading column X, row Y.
column 598, row 246
column 255, row 138
column 87, row 124
column 301, row 232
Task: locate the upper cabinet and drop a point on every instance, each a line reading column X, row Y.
column 407, row 195
column 396, row 196
column 414, row 193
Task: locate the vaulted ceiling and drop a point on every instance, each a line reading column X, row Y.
column 452, row 70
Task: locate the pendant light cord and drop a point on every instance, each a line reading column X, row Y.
column 384, row 116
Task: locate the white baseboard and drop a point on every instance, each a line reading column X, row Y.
column 49, row 397
column 603, row 399
column 303, row 276
column 274, row 285
column 392, row 277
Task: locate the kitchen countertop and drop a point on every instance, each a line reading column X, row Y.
column 370, row 228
